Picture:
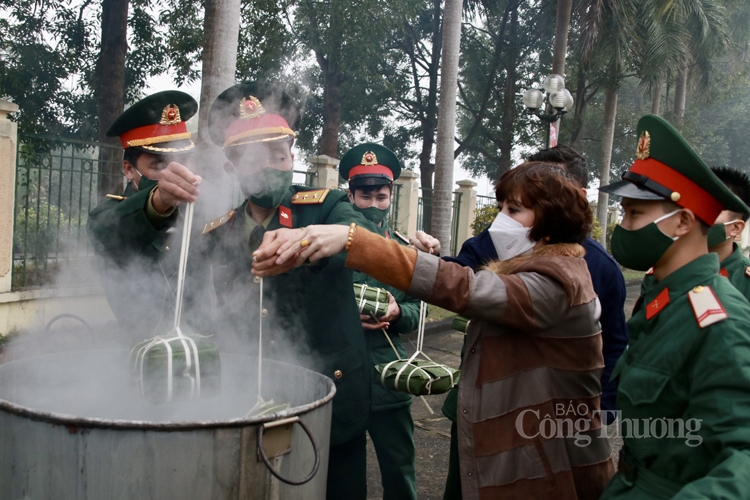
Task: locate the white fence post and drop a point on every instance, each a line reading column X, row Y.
column 466, row 211
column 326, row 173
column 8, row 148
column 408, row 202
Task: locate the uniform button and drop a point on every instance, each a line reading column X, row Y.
column 264, row 313
column 338, row 374
column 256, row 279
column 466, row 411
column 167, row 248
column 473, row 350
column 469, row 474
column 698, row 289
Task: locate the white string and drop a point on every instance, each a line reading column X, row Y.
column 260, row 344
column 189, row 346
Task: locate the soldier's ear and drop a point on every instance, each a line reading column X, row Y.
column 128, row 169
column 734, row 230
column 686, row 222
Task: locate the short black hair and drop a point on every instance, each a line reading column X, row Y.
column 131, row 155
column 369, row 189
column 737, row 182
column 574, row 162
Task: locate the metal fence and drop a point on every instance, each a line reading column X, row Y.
column 56, row 188
column 485, row 201
column 424, row 215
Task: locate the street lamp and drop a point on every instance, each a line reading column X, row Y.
column 559, row 98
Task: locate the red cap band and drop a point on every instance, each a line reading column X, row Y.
column 154, row 134
column 263, row 125
column 692, row 196
column 371, row 169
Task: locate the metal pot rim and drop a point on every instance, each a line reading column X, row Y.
column 73, row 422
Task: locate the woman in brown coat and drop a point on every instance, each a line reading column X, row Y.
column 528, row 408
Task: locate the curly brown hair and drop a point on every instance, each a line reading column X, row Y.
column 561, row 211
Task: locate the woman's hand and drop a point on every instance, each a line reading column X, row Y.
column 425, row 242
column 309, row 244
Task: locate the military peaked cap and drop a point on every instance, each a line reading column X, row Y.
column 369, row 164
column 252, row 112
column 667, row 168
column 156, row 124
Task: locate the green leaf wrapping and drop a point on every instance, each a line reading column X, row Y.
column 155, row 367
column 371, row 300
column 420, row 377
column 461, row 323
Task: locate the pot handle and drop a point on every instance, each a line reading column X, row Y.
column 66, row 315
column 262, row 452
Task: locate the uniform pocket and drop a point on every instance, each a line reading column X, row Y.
column 642, row 385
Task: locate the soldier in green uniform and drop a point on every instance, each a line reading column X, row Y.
column 132, row 233
column 371, row 169
column 727, row 230
column 310, row 310
column 684, row 380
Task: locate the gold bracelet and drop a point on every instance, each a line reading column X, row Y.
column 350, row 238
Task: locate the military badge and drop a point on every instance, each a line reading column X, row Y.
column 706, row 307
column 644, row 146
column 285, row 216
column 369, row 158
column 170, row 115
column 655, row 306
column 250, row 107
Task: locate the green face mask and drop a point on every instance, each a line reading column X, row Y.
column 373, row 214
column 266, row 188
column 717, row 234
column 641, row 248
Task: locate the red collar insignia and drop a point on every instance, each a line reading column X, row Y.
column 723, row 272
column 660, row 302
column 285, row 216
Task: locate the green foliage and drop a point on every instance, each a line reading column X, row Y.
column 596, row 233
column 483, row 218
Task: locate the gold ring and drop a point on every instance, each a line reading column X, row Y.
column 304, row 243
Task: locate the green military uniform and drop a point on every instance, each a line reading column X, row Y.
column 684, row 380
column 311, row 317
column 736, row 267
column 138, row 249
column 391, row 427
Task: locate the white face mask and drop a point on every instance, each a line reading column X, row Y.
column 510, row 237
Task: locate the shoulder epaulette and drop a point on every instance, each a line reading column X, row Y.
column 116, row 197
column 706, row 307
column 218, row 222
column 314, row 197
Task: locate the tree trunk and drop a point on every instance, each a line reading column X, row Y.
column 608, row 136
column 680, row 95
column 562, row 24
column 329, row 138
column 442, row 195
column 429, row 122
column 221, row 30
column 109, row 91
column 509, row 101
column 656, row 96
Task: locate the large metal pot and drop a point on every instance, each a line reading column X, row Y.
column 71, row 427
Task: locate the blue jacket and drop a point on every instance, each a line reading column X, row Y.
column 608, row 284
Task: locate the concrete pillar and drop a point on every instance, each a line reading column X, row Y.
column 326, row 171
column 8, row 147
column 466, row 214
column 408, row 202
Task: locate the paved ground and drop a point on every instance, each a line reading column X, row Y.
column 432, row 431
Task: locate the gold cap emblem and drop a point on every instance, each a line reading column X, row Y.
column 170, row 115
column 644, row 146
column 369, row 158
column 250, row 107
